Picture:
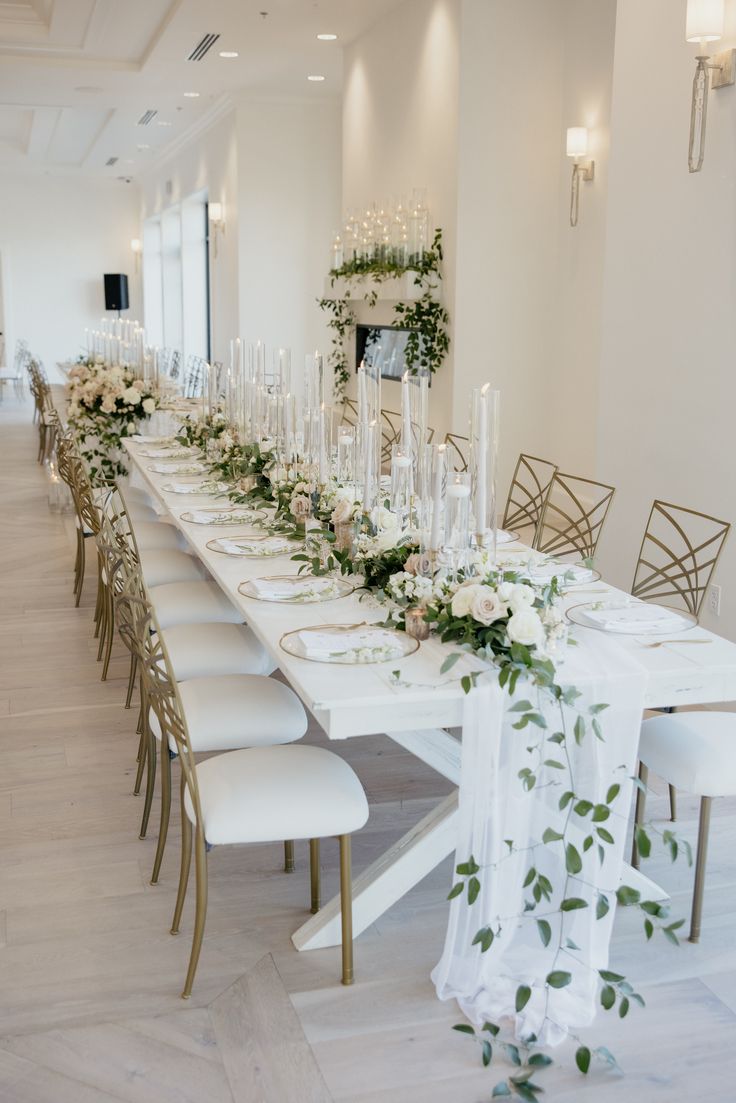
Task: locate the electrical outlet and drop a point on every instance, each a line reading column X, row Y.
column 715, row 600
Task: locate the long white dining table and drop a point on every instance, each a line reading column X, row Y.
column 418, row 709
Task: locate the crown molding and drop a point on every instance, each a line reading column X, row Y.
column 222, row 106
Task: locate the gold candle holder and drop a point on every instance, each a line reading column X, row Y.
column 344, row 535
column 416, row 626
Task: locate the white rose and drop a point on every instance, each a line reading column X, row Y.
column 383, row 518
column 486, row 606
column 343, row 511
column 149, row 405
column 131, row 428
column 505, row 590
column 521, row 598
column 526, row 628
column 463, row 599
column 386, row 540
column 132, row 396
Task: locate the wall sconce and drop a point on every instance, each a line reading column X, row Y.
column 136, row 249
column 577, row 148
column 704, row 23
column 216, row 214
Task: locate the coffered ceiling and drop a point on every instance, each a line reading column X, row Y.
column 80, row 79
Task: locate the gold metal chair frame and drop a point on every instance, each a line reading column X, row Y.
column 684, row 573
column 566, row 524
column 138, row 624
column 527, row 494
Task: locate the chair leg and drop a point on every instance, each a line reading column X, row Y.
column 346, row 910
column 200, row 867
column 110, row 634
column 673, row 803
column 82, row 564
column 289, row 863
column 703, row 831
column 641, row 800
column 131, row 680
column 142, row 756
column 163, row 828
column 314, row 873
column 103, row 628
column 186, row 858
column 151, row 757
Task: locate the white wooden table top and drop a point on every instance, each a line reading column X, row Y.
column 364, row 699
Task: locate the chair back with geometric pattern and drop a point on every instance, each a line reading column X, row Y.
column 527, row 495
column 458, row 450
column 573, row 516
column 678, row 556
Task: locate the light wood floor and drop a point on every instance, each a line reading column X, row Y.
column 90, row 976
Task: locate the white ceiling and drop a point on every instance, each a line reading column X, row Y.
column 76, row 75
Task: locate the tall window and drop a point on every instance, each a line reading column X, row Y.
column 176, row 278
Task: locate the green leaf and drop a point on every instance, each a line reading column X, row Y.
column 558, row 979
column 565, row 799
column 579, row 730
column 466, row 868
column 485, row 937
column 573, row 861
column 606, row 1055
column 608, row 996
column 612, row 793
column 587, row 843
column 572, row 903
column 602, row 907
column 553, row 764
column 473, row 889
column 539, row 1061
column 450, row 661
column 491, row 1028
column 570, row 945
column 512, row 1052
column 627, row 896
column 526, row 1091
column 582, row 807
column 529, row 877
column 582, row 1058
column 545, row 931
column 605, row 834
column 501, row 1091
column 623, row 1008
column 601, row 812
column 486, row 1053
column 455, row 890
column 611, row 978
column 643, row 842
column 523, row 995
column 521, row 706
column 648, row 928
column 551, row 836
column 464, row 1028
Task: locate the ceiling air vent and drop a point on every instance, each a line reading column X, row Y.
column 111, row 161
column 203, row 47
column 147, row 117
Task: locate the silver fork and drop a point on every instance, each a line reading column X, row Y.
column 661, row 643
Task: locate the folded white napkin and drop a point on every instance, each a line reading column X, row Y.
column 636, row 619
column 272, row 545
column 288, row 589
column 362, row 643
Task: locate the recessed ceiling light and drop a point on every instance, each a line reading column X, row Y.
column 163, row 122
column 191, row 95
column 327, row 37
column 229, row 53
column 314, row 76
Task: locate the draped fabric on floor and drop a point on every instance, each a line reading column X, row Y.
column 501, row 825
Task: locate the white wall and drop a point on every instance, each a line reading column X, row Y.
column 400, row 105
column 208, row 162
column 289, row 210
column 668, row 385
column 58, row 236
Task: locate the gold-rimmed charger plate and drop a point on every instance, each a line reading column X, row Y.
column 576, row 615
column 177, row 468
column 207, row 488
column 221, row 518
column 358, row 636
column 249, row 544
column 337, row 588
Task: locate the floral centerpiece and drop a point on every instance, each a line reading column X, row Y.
column 106, row 403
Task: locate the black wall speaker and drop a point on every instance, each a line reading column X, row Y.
column 116, row 291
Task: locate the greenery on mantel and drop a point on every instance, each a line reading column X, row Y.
column 425, row 317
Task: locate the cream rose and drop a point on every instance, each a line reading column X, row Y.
column 418, row 564
column 342, row 512
column 486, row 606
column 463, row 599
column 520, row 598
column 132, row 396
column 383, row 518
column 149, row 405
column 526, row 628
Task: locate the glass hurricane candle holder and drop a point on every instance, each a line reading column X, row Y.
column 482, row 460
column 456, row 543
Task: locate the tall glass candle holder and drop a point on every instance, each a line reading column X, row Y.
column 371, row 466
column 401, row 484
column 456, row 542
column 282, row 369
column 482, row 462
column 346, row 455
column 434, row 508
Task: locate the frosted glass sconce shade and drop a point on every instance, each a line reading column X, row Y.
column 577, row 141
column 704, row 22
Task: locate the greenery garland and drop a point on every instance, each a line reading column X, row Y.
column 426, row 318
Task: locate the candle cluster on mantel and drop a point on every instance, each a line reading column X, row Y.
column 395, row 232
